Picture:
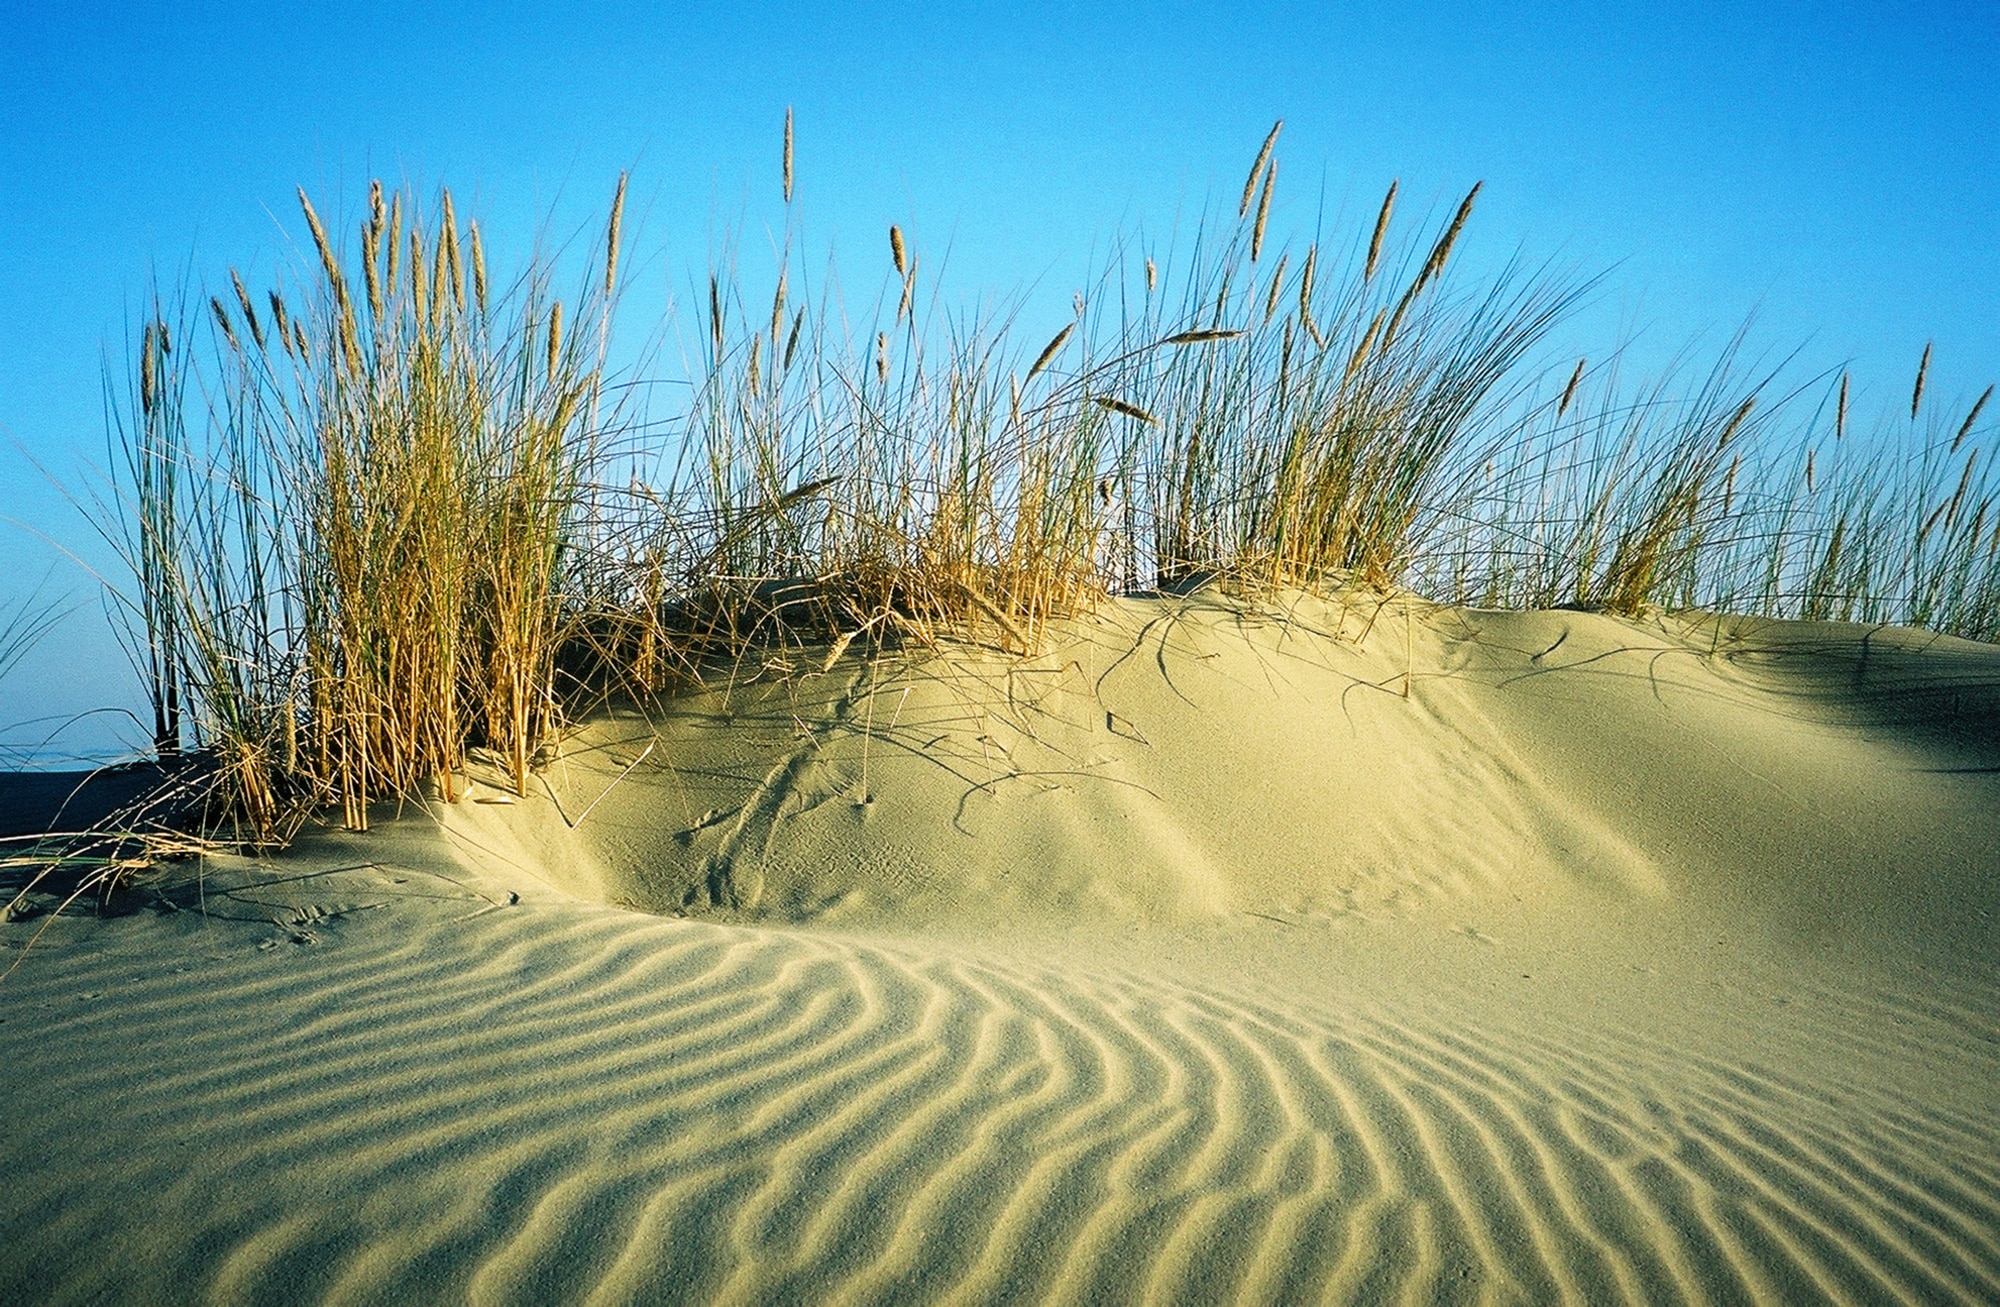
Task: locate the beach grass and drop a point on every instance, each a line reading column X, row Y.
column 392, row 514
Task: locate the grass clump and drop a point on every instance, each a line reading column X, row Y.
column 393, row 533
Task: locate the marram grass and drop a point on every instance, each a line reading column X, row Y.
column 410, row 522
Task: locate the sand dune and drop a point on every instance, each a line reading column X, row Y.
column 1197, row 962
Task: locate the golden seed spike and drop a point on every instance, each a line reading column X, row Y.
column 1263, row 211
column 1736, row 421
column 792, row 340
column 1125, row 407
column 449, row 240
column 896, row 250
column 1569, row 391
column 419, row 288
column 149, row 385
column 1965, row 427
column 395, row 240
column 1306, row 282
column 788, row 154
column 328, row 263
column 1050, row 350
column 1840, row 411
column 249, row 308
column 1442, row 250
column 1263, row 155
column 778, row 308
column 1152, row 276
column 611, row 237
column 715, row 316
column 1923, row 369
column 371, row 277
column 222, row 321
column 1381, row 230
column 555, row 337
column 1277, row 285
column 478, row 269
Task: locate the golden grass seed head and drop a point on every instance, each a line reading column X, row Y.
column 371, row 241
column 1263, row 211
column 1050, row 350
column 1381, row 231
column 896, row 250
column 555, row 337
column 611, row 237
column 1277, row 285
column 788, row 154
column 249, row 308
column 441, row 279
column 1434, row 265
column 1257, row 168
column 778, row 308
column 222, row 322
column 1202, row 336
column 1152, row 276
column 1964, row 484
column 882, row 358
column 1923, row 369
column 149, row 375
column 419, row 284
column 394, row 241
column 1965, row 427
column 1735, row 423
column 1840, row 410
column 1569, row 391
column 792, row 340
column 715, row 316
column 448, row 243
column 1126, row 407
column 1306, row 281
column 328, row 263
column 478, row 268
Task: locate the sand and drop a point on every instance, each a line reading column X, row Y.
column 1232, row 951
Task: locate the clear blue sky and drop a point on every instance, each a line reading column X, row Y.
column 1833, row 168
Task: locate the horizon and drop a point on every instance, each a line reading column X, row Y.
column 1834, row 183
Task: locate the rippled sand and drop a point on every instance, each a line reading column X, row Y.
column 1512, row 1043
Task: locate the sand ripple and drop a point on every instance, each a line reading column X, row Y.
column 573, row 1104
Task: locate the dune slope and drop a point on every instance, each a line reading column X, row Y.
column 1211, row 958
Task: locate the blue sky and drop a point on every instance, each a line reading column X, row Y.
column 1831, row 168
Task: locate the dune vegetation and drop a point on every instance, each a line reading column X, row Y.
column 395, row 511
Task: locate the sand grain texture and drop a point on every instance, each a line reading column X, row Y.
column 1212, row 958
